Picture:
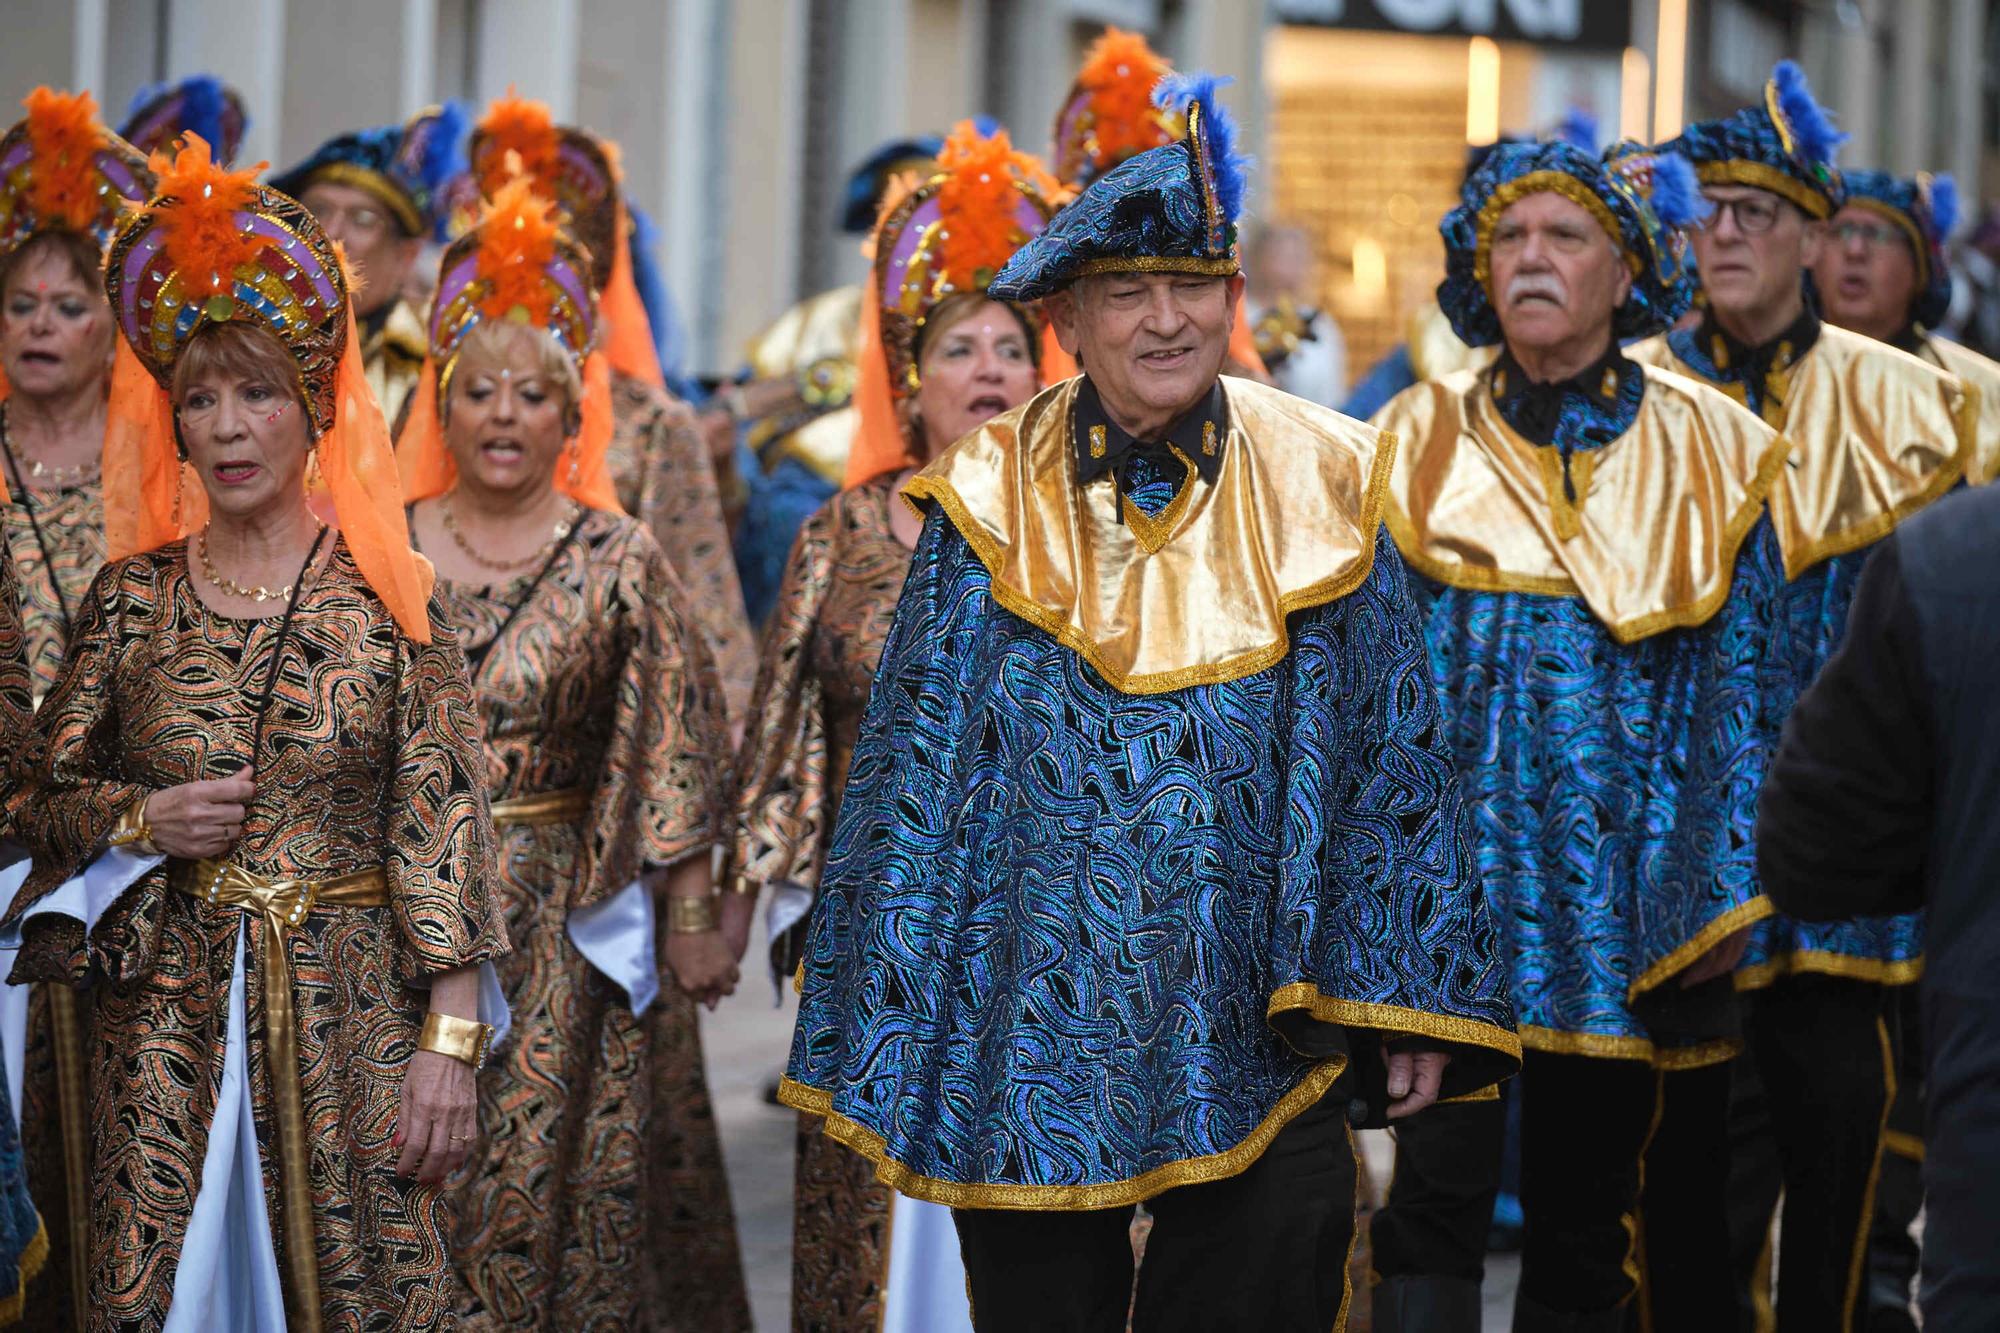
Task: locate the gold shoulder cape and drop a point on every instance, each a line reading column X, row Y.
column 1980, row 373
column 1650, row 543
column 1289, row 523
column 1877, row 434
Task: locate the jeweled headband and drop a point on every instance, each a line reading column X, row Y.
column 61, row 169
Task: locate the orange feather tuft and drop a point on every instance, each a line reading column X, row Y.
column 1119, row 74
column 978, row 201
column 517, row 240
column 203, row 239
column 65, row 137
column 526, row 128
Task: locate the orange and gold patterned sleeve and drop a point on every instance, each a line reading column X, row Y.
column 16, row 696
column 681, row 505
column 781, row 818
column 663, row 788
column 440, row 835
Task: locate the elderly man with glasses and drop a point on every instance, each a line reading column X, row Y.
column 1877, row 434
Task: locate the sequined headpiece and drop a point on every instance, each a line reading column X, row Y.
column 215, row 246
column 1785, row 144
column 203, row 104
column 62, row 170
column 1110, row 114
column 1640, row 198
column 1925, row 207
column 402, row 167
column 1171, row 209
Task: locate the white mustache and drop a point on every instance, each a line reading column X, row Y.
column 1536, row 284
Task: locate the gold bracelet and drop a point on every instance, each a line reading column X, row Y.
column 133, row 831
column 745, row 887
column 460, row 1038
column 691, row 916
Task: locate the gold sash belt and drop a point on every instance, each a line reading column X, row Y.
column 283, row 904
column 548, row 807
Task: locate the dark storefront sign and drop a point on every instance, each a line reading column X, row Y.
column 1600, row 25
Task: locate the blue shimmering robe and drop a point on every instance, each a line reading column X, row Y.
column 1061, row 926
column 1814, row 613
column 1613, row 784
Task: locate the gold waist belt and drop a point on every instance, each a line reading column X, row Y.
column 283, row 904
column 548, row 807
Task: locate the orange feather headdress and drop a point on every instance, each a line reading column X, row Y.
column 61, row 169
column 1109, row 114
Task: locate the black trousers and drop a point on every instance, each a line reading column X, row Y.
column 1586, row 1125
column 1265, row 1250
column 1806, row 1121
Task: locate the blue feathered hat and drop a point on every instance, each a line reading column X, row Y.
column 403, row 167
column 1786, row 145
column 201, row 104
column 868, row 181
column 1172, row 208
column 1642, row 199
column 1925, row 207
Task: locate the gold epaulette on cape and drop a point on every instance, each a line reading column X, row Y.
column 1980, row 374
column 1289, row 523
column 1876, row 435
column 1650, row 542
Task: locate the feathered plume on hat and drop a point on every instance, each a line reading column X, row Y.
column 61, row 169
column 1786, row 144
column 199, row 104
column 1110, row 114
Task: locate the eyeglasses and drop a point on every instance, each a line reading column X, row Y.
column 1874, row 235
column 1755, row 214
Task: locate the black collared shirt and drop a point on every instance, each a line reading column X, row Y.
column 1147, row 471
column 1718, row 355
column 1590, row 408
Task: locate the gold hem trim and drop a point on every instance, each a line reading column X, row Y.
column 1743, row 171
column 1604, row 1046
column 1390, row 1017
column 543, row 808
column 1825, row 963
column 1208, row 268
column 1458, row 574
column 1907, row 1146
column 1489, row 1093
column 1060, row 1198
column 1880, row 526
column 1737, row 917
column 1056, row 625
column 33, row 1259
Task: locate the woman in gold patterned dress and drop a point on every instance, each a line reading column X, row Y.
column 596, row 1197
column 938, row 359
column 659, row 462
column 63, row 180
column 255, row 807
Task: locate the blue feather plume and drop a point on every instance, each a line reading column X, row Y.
column 1676, row 195
column 444, row 156
column 987, row 126
column 1812, row 128
column 201, row 109
column 1944, row 205
column 1174, row 93
column 1579, row 130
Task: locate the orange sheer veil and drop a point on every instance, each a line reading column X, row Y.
column 151, row 497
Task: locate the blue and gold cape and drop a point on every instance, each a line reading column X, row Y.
column 1151, row 828
column 1598, row 609
column 1877, row 435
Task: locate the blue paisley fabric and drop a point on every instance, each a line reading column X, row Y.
column 780, row 503
column 1056, row 920
column 1814, row 617
column 1613, row 787
column 24, row 1245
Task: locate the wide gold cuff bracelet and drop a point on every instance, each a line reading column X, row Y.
column 691, row 916
column 460, row 1038
column 133, row 831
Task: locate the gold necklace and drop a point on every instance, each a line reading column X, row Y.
column 562, row 530
column 260, row 593
column 48, row 475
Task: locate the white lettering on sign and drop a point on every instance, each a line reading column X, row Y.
column 1557, row 20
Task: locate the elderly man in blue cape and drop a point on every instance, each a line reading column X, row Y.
column 374, row 191
column 1596, row 571
column 1151, row 875
column 1877, row 435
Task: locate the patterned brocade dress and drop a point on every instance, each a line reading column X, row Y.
column 821, row 648
column 665, row 479
column 367, row 778
column 595, row 1199
column 24, row 1241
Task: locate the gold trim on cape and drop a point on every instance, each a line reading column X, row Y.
column 1821, row 962
column 1978, row 373
column 1605, row 1046
column 1877, row 434
column 33, row 1259
column 1323, row 1008
column 1289, row 523
column 1692, row 948
column 543, row 808
column 1649, row 544
column 281, row 904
